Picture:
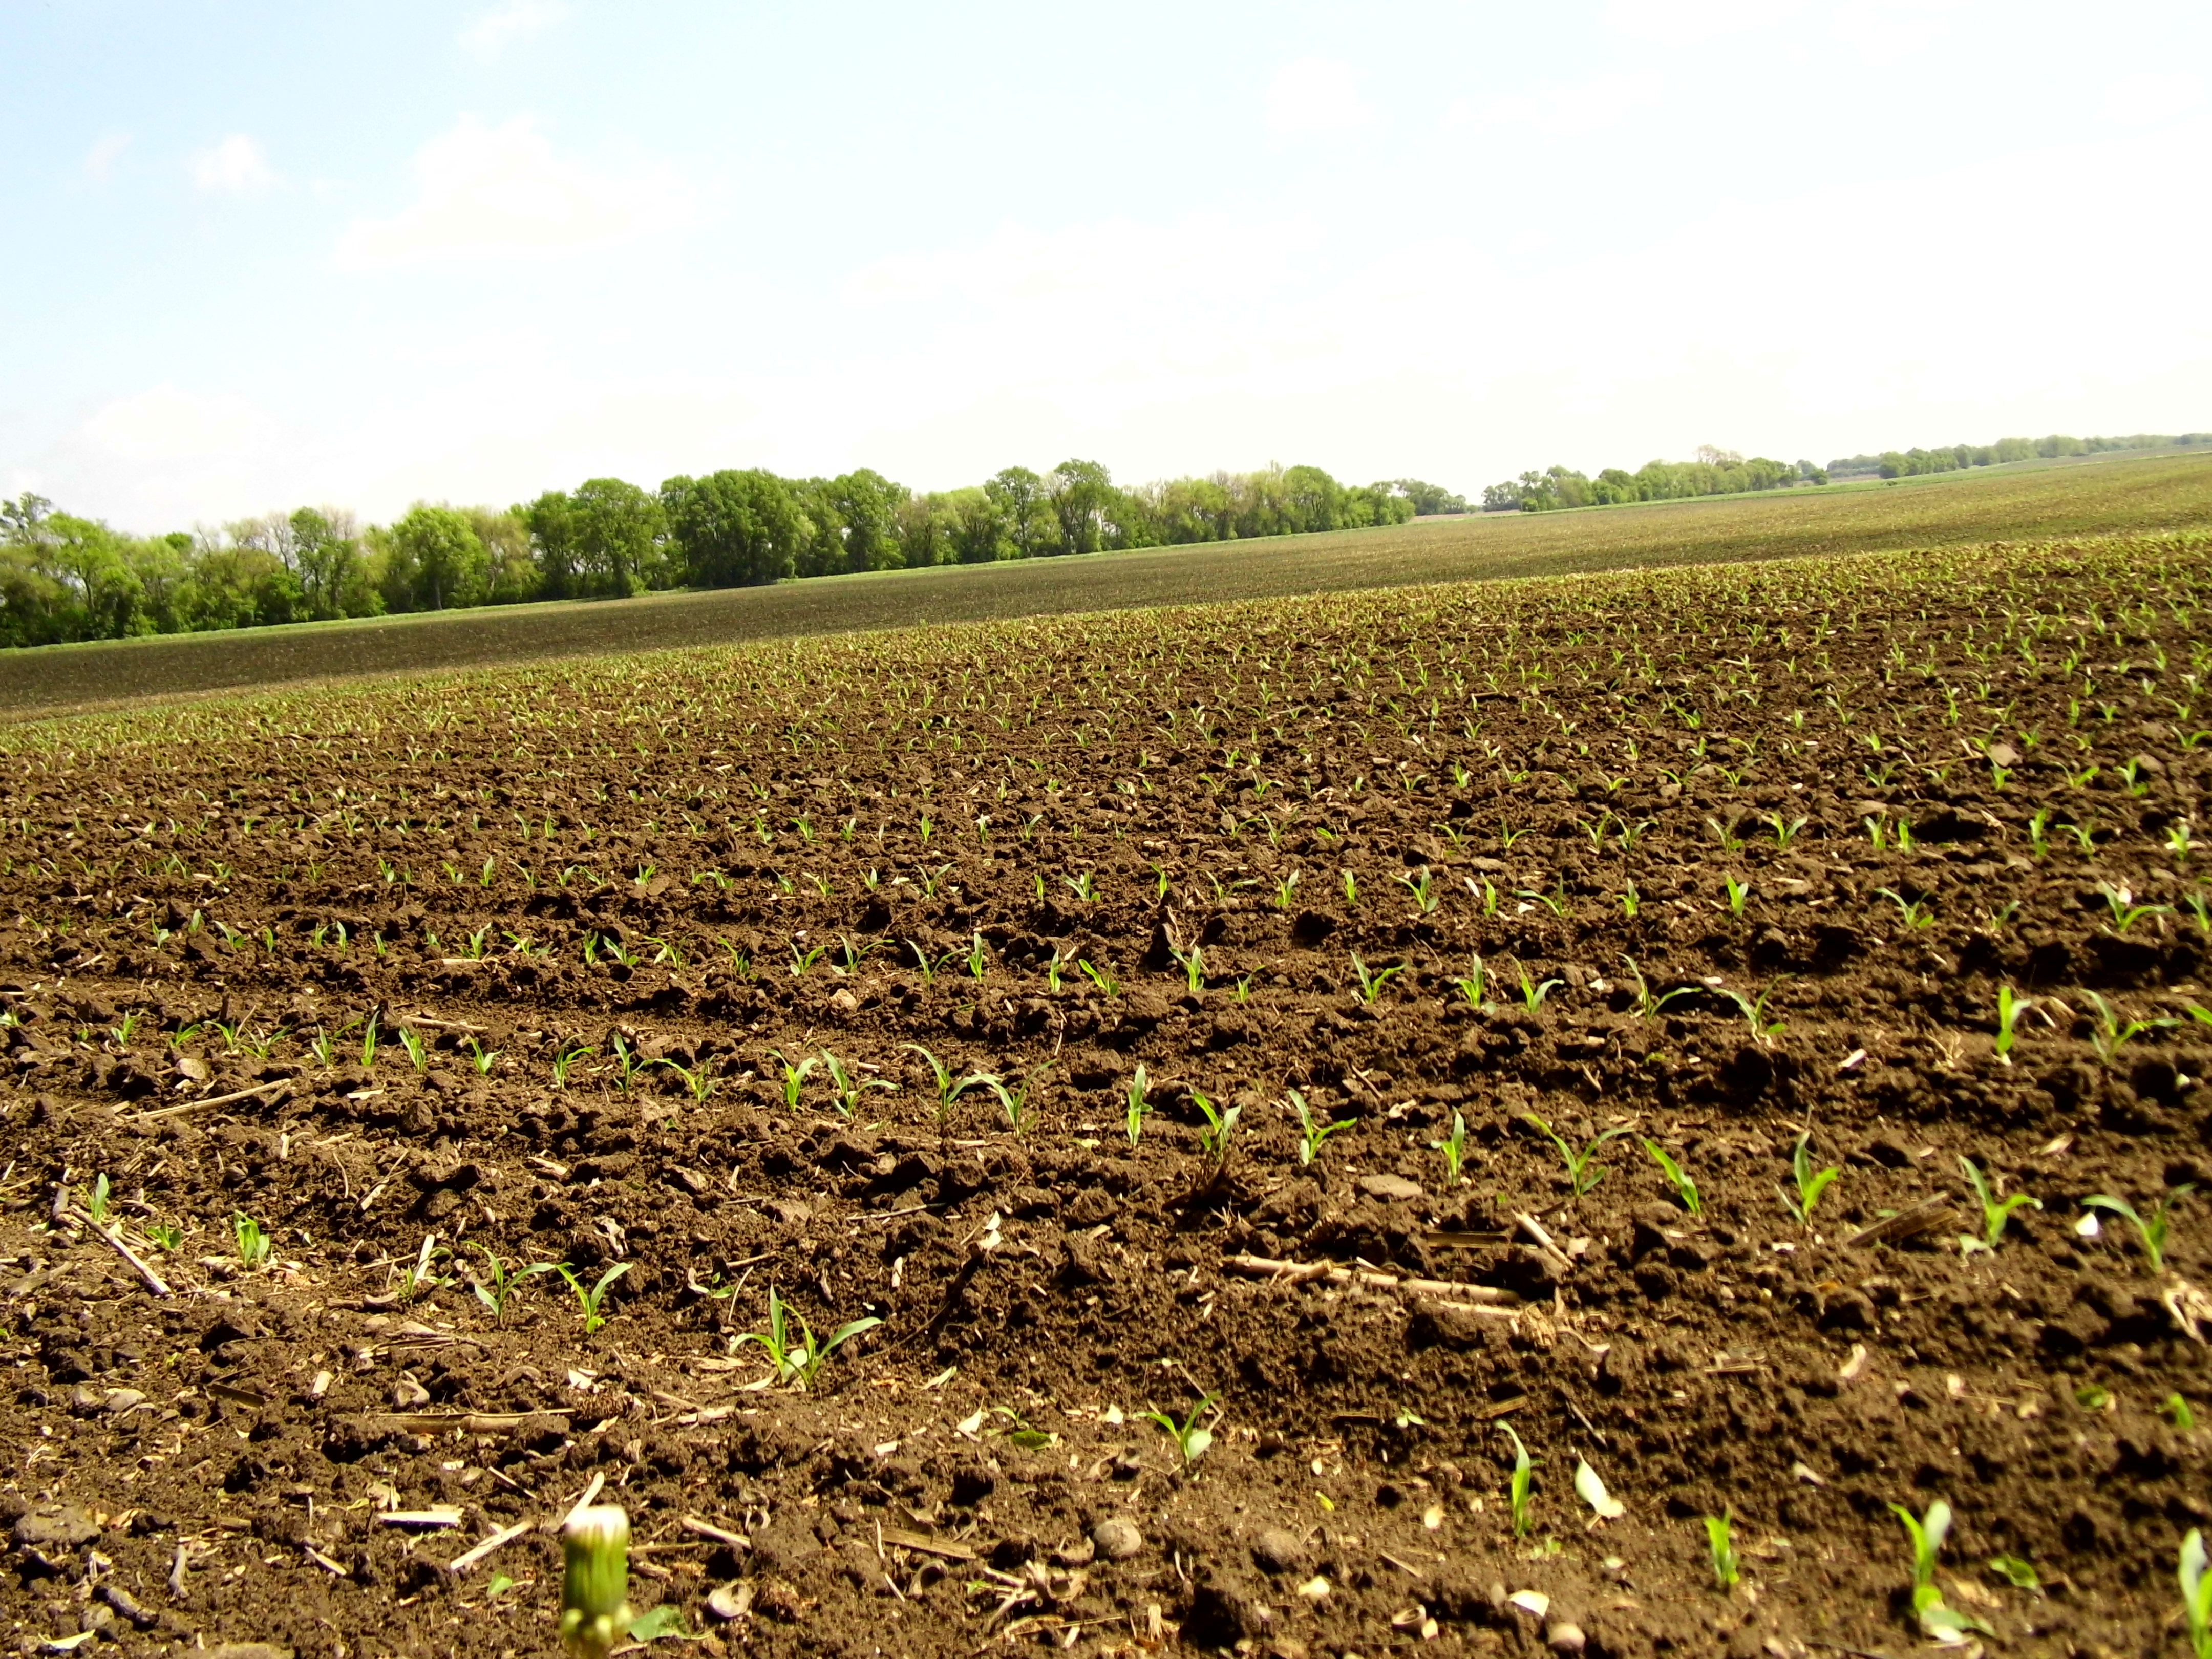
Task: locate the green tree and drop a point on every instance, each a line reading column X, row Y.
column 553, row 542
column 1080, row 493
column 617, row 532
column 734, row 529
column 445, row 565
column 1019, row 496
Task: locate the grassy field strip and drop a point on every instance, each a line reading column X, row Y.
column 2106, row 496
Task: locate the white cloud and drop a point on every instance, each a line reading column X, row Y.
column 491, row 33
column 1670, row 20
column 1566, row 109
column 235, row 167
column 1314, row 94
column 2152, row 98
column 99, row 161
column 165, row 423
column 492, row 192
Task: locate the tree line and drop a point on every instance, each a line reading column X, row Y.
column 65, row 577
column 1916, row 463
column 1724, row 473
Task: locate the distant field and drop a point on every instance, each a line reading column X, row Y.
column 2120, row 493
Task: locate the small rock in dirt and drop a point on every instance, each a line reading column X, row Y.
column 1278, row 1550
column 1565, row 1636
column 1080, row 1553
column 789, row 1210
column 729, row 1601
column 1390, row 1188
column 64, row 1528
column 409, row 1394
column 1118, row 1538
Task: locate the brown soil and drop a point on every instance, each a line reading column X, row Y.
column 752, row 848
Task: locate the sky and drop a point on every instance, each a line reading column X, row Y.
column 272, row 255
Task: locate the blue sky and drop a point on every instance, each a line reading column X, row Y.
column 268, row 255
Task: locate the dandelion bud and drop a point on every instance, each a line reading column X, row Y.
column 595, row 1590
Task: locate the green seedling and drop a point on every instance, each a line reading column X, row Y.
column 1109, row 987
column 1423, row 888
column 1945, row 1624
column 1785, row 829
column 1453, row 1147
column 254, row 1247
column 418, row 1052
column 1914, row 913
column 1520, row 1486
column 2019, row 1574
column 2124, row 912
column 2197, row 1594
column 496, row 1285
column 801, row 1360
column 1685, row 1188
column 1583, row 1171
column 588, row 1301
column 694, row 1078
column 165, row 1236
column 1739, row 894
column 484, row 1059
column 1474, row 984
column 2150, row 1229
column 1996, row 1212
column 1084, row 886
column 1811, row 1183
column 1190, row 1439
column 794, row 1076
column 1014, row 1102
column 595, row 1612
column 2010, row 1006
column 1372, row 984
column 1718, row 1545
column 1649, row 1006
column 847, row 1087
column 1192, row 962
column 1753, row 1010
column 949, row 1088
column 2108, row 1033
column 1532, row 993
column 1220, row 1124
column 1351, row 891
column 97, row 1208
column 2176, row 1409
column 368, row 1043
column 1312, row 1132
column 978, row 960
column 802, row 960
column 628, row 1063
column 1137, row 1106
column 564, row 1059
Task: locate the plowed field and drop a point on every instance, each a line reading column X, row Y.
column 1153, row 1013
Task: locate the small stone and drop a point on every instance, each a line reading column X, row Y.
column 408, row 1394
column 64, row 1528
column 2003, row 754
column 1118, row 1538
column 1278, row 1550
column 1565, row 1636
column 845, row 1002
column 731, row 1602
column 1390, row 1188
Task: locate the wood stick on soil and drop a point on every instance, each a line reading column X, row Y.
column 499, row 1539
column 1550, row 1246
column 1263, row 1266
column 154, row 1282
column 1923, row 1216
column 592, row 1490
column 160, row 1112
column 736, row 1540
